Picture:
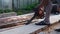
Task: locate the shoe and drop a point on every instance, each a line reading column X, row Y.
column 42, row 23
column 28, row 22
column 58, row 30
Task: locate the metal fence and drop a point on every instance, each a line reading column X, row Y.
column 17, row 3
column 22, row 4
column 7, row 5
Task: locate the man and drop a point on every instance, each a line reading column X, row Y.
column 47, row 8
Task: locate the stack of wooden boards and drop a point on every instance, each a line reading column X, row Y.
column 34, row 29
column 11, row 19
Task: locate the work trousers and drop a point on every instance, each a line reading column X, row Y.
column 48, row 9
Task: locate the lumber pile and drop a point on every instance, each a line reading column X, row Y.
column 28, row 29
column 34, row 29
column 14, row 20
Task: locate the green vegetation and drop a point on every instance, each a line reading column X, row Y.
column 5, row 11
column 30, row 7
column 19, row 12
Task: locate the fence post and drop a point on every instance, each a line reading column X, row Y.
column 13, row 8
column 39, row 1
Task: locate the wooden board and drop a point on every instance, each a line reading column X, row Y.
column 54, row 18
column 22, row 30
column 8, row 14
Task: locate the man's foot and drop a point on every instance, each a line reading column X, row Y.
column 58, row 30
column 42, row 23
column 28, row 22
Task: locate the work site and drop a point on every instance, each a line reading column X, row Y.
column 29, row 16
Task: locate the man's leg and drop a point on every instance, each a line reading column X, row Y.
column 48, row 10
column 46, row 21
column 29, row 21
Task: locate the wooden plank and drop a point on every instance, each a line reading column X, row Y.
column 5, row 29
column 8, row 14
column 26, row 29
